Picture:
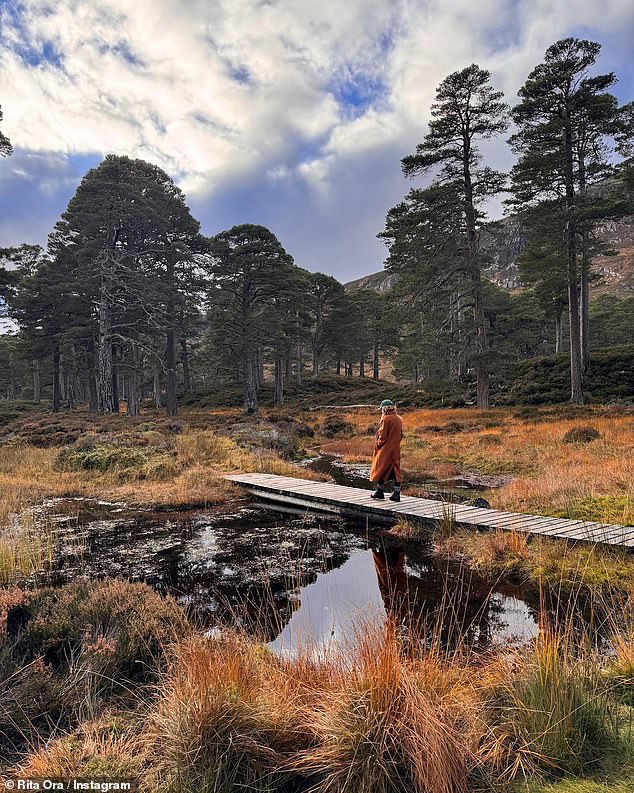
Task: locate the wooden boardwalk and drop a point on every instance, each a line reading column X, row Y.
column 356, row 502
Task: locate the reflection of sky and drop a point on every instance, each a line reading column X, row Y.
column 333, row 607
column 515, row 621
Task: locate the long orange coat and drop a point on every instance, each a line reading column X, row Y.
column 387, row 448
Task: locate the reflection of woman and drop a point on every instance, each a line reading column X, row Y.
column 386, row 460
column 390, row 572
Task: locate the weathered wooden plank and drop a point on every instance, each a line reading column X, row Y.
column 333, row 498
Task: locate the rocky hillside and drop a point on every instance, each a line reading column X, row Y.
column 615, row 273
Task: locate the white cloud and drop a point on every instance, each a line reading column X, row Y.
column 218, row 92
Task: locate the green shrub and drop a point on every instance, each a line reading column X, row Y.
column 554, row 717
column 127, row 462
column 336, row 426
column 543, row 381
column 125, row 625
column 65, row 650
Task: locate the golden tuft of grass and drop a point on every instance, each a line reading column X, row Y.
column 217, row 725
column 98, row 750
column 388, row 724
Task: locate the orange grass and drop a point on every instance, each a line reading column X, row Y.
column 384, row 714
column 96, row 751
column 29, row 474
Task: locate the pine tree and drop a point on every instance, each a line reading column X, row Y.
column 324, row 294
column 130, row 231
column 564, row 118
column 250, row 270
column 467, row 110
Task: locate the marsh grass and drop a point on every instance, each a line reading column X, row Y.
column 98, row 750
column 542, row 561
column 388, row 713
column 26, row 547
column 554, row 715
column 219, row 722
column 140, row 466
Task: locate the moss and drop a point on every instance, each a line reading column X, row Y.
column 578, row 786
column 614, row 508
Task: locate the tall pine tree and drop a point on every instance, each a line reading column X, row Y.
column 467, row 110
column 564, row 120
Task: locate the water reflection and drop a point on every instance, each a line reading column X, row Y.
column 429, row 602
column 296, row 581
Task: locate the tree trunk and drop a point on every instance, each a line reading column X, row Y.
column 134, row 400
column 187, row 381
column 62, row 378
column 558, row 333
column 115, row 384
column 56, row 390
column 576, row 366
column 156, row 384
column 105, row 394
column 481, row 347
column 249, row 369
column 37, row 386
column 278, row 396
column 584, row 307
column 375, row 362
column 171, row 401
column 576, row 363
column 338, row 363
column 362, row 367
column 584, row 284
column 300, row 364
column 91, row 377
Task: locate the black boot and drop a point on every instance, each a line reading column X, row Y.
column 396, row 495
column 378, row 493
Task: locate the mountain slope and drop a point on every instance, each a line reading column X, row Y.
column 615, row 274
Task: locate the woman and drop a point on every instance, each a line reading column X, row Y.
column 386, row 460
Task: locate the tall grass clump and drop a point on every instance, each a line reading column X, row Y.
column 383, row 726
column 553, row 715
column 98, row 750
column 24, row 549
column 219, row 723
column 125, row 463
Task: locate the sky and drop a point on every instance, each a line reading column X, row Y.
column 293, row 114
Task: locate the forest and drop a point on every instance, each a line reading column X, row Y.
column 131, row 302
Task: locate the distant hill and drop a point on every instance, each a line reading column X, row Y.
column 506, row 243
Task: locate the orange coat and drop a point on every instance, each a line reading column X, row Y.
column 387, row 448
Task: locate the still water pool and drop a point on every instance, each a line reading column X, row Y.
column 298, row 581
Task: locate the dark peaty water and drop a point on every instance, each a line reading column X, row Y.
column 297, row 581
